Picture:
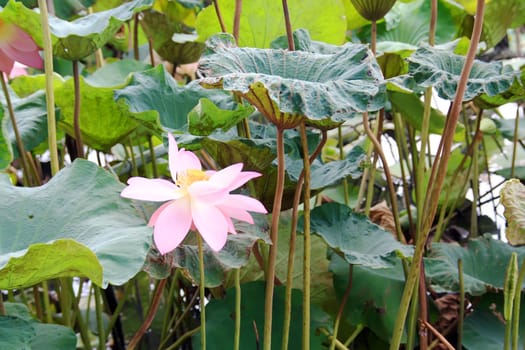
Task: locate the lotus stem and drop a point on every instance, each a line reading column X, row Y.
column 515, row 140
column 341, row 157
column 237, row 338
column 118, row 309
column 439, row 167
column 461, row 303
column 100, row 322
column 237, row 20
column 517, row 306
column 342, row 306
column 136, row 53
column 288, row 24
column 202, row 296
column 76, row 114
column 50, row 93
column 219, row 16
column 183, row 338
column 274, row 230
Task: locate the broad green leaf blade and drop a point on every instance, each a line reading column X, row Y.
column 82, row 202
column 60, row 258
column 25, row 85
column 262, row 20
column 507, row 127
column 31, row 119
column 411, row 108
column 441, row 69
column 6, row 152
column 286, row 85
column 79, row 38
column 154, row 95
column 103, row 122
column 22, row 327
column 359, row 240
column 484, row 260
column 206, row 117
column 165, row 34
column 220, row 325
column 234, row 255
column 513, row 199
column 374, row 297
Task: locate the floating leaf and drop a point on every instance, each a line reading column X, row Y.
column 513, row 199
column 154, row 94
column 220, row 318
column 284, row 85
column 79, row 38
column 374, row 298
column 262, row 20
column 81, row 203
column 441, row 69
column 483, row 258
column 359, row 240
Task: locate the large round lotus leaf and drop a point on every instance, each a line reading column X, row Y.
column 154, row 95
column 220, row 319
column 360, row 241
column 484, row 262
column 103, row 122
column 79, row 38
column 262, row 20
column 285, row 85
column 441, row 69
column 81, row 203
column 513, row 199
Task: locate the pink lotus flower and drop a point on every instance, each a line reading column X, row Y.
column 17, row 45
column 198, row 200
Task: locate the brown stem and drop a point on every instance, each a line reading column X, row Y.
column 76, row 112
column 423, row 310
column 342, row 305
column 433, row 21
column 237, row 20
column 155, row 302
column 438, row 335
column 136, row 54
column 373, row 36
column 436, row 186
column 288, row 24
column 219, row 16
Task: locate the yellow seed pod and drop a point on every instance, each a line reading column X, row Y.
column 373, row 10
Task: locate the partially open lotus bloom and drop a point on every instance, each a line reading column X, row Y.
column 197, row 199
column 17, row 45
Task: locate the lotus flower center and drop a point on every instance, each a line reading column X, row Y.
column 185, row 179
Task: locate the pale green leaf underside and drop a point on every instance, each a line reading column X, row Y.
column 82, row 203
column 442, row 69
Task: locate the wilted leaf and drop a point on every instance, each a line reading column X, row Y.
column 513, row 199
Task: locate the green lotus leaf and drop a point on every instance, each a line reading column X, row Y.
column 513, row 199
column 168, row 40
column 206, row 117
column 220, row 322
column 441, row 69
column 484, row 328
column 507, row 128
column 285, row 86
column 25, row 85
column 79, row 38
column 18, row 330
column 262, row 20
column 31, row 119
column 359, row 240
column 515, row 93
column 103, row 122
column 484, row 260
column 374, row 298
column 82, row 203
column 234, row 255
column 6, row 152
column 154, row 95
column 303, row 42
